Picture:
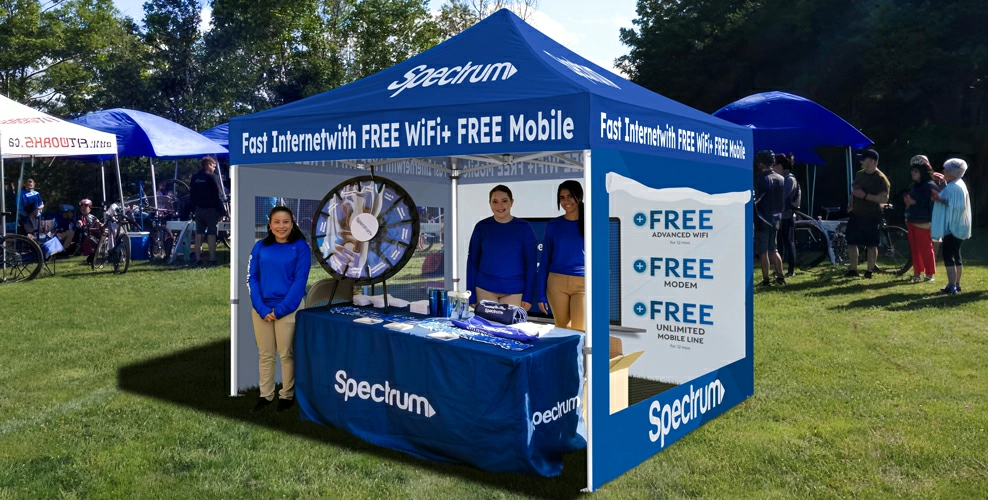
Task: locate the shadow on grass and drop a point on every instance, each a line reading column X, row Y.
column 914, row 301
column 198, row 378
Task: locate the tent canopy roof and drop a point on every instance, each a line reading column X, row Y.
column 219, row 134
column 787, row 123
column 27, row 132
column 143, row 134
column 500, row 86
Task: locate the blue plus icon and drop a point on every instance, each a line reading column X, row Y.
column 640, row 309
column 640, row 219
column 640, row 266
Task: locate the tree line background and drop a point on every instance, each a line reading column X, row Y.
column 911, row 74
column 71, row 57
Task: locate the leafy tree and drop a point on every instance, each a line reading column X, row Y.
column 175, row 54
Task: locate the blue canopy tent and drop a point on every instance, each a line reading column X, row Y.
column 787, row 123
column 143, row 134
column 501, row 102
column 219, row 134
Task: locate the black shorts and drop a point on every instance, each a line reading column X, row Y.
column 206, row 220
column 862, row 230
column 765, row 237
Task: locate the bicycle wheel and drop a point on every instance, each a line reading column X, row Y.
column 838, row 242
column 102, row 249
column 121, row 253
column 21, row 258
column 159, row 244
column 811, row 245
column 893, row 249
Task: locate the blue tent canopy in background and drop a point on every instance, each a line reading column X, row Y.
column 787, row 123
column 143, row 134
column 219, row 134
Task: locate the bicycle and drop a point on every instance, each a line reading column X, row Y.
column 22, row 257
column 893, row 246
column 114, row 242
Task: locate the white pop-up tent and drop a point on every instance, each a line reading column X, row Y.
column 503, row 103
column 28, row 133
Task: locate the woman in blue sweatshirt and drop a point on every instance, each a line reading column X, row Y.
column 560, row 284
column 502, row 255
column 277, row 272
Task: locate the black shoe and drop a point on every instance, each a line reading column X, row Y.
column 867, row 274
column 851, row 273
column 790, row 274
column 779, row 280
column 211, row 263
column 764, row 283
column 285, row 404
column 262, row 404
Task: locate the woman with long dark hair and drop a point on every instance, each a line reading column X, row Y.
column 919, row 212
column 277, row 271
column 561, row 267
column 501, row 259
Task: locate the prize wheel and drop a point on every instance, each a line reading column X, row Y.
column 365, row 230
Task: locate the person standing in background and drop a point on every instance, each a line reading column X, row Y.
column 952, row 220
column 208, row 201
column 870, row 191
column 791, row 197
column 560, row 284
column 768, row 214
column 919, row 212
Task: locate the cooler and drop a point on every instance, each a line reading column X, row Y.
column 139, row 245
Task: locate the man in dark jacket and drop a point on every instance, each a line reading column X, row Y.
column 790, row 199
column 769, row 188
column 208, row 200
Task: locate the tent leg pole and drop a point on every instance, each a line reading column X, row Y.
column 154, row 182
column 3, row 197
column 588, row 298
column 17, row 202
column 119, row 181
column 234, row 278
column 102, row 175
column 454, row 182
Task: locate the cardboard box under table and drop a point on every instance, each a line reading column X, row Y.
column 449, row 401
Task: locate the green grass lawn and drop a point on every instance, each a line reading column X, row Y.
column 116, row 387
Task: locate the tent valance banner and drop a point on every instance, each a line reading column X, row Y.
column 26, row 132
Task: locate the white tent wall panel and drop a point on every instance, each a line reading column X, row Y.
column 292, row 180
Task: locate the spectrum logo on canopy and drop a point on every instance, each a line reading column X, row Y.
column 425, row 76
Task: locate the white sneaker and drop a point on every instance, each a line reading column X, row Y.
column 929, row 279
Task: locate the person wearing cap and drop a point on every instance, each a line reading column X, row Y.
column 88, row 227
column 951, row 220
column 790, row 199
column 207, row 199
column 65, row 227
column 919, row 211
column 869, row 192
column 769, row 204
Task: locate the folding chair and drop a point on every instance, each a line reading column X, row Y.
column 49, row 243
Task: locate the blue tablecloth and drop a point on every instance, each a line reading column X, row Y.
column 447, row 401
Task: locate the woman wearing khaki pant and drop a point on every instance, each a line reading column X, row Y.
column 277, row 271
column 561, row 280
